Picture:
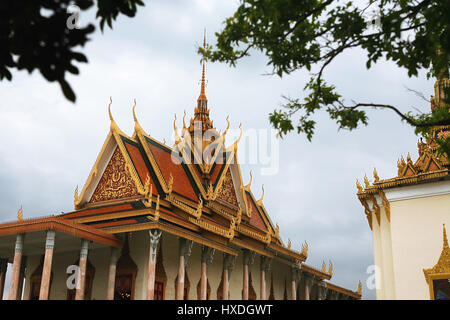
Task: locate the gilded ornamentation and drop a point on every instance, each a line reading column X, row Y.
column 239, row 215
column 401, row 165
column 359, row 290
column 20, row 214
column 210, row 195
column 116, row 181
column 76, row 198
column 226, row 191
column 305, row 249
column 170, row 184
column 175, row 130
column 443, row 265
column 260, row 201
column 198, row 212
column 375, row 207
column 330, row 269
column 324, row 266
column 375, row 175
column 148, row 190
column 366, row 182
column 359, row 187
column 386, row 205
column 289, row 244
column 157, row 209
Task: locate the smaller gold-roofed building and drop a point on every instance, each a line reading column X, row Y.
column 406, row 213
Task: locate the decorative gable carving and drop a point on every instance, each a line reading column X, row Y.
column 227, row 192
column 116, row 182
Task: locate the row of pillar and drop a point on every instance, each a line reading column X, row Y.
column 185, row 247
column 15, row 290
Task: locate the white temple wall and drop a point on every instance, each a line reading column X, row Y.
column 416, row 230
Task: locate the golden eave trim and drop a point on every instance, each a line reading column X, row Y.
column 400, row 181
column 342, row 290
column 314, row 271
column 288, row 252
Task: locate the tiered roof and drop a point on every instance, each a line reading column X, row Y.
column 430, row 166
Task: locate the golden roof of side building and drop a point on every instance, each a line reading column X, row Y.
column 430, row 166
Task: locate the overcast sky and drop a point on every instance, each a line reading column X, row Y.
column 49, row 145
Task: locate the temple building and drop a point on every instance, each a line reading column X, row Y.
column 407, row 215
column 160, row 222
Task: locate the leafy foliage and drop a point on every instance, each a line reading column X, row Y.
column 34, row 36
column 293, row 35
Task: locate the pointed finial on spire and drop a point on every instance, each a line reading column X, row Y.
column 202, row 90
column 445, row 237
column 109, row 109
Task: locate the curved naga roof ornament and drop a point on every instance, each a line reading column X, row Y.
column 76, row 198
column 305, row 249
column 238, row 139
column 177, row 137
column 375, row 175
column 137, row 125
column 260, row 201
column 359, row 187
column 249, row 184
column 330, row 269
column 20, row 214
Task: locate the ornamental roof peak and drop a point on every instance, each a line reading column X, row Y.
column 201, row 120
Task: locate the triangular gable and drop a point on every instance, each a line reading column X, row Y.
column 409, row 171
column 116, row 181
column 142, row 167
column 113, row 146
column 227, row 192
column 432, row 165
column 255, row 219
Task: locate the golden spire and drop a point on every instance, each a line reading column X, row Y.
column 445, row 237
column 359, row 290
column 202, row 90
column 201, row 112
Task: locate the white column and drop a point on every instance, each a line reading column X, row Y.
column 82, row 271
column 16, row 267
column 47, row 268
